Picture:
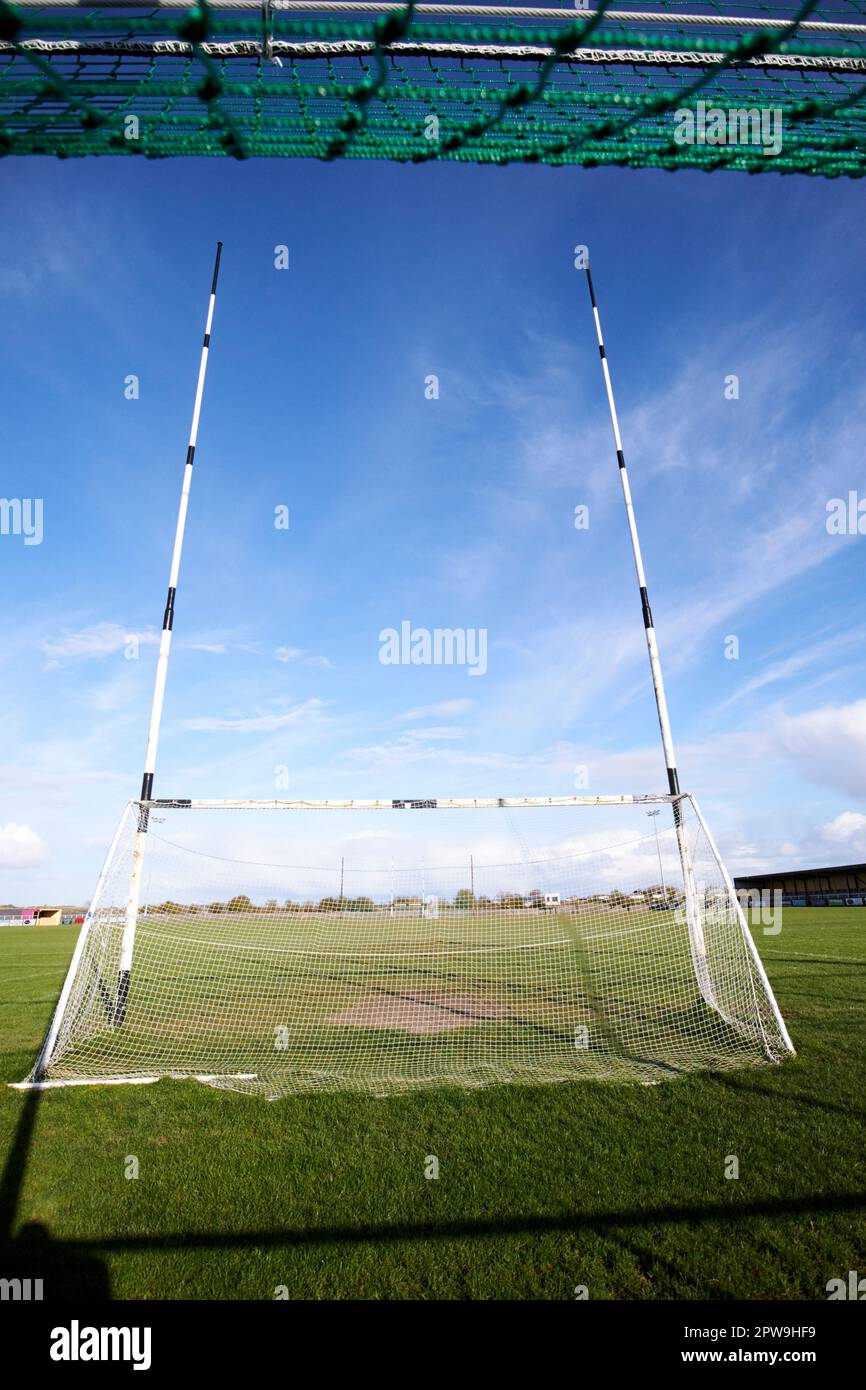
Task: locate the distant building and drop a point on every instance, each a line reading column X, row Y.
column 841, row 885
column 42, row 916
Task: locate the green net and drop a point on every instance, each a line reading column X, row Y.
column 762, row 87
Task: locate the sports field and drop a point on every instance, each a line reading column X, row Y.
column 387, row 999
column 620, row 1188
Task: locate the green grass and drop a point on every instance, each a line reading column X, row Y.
column 617, row 1187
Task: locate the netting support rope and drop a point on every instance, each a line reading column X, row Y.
column 510, row 12
column 484, row 52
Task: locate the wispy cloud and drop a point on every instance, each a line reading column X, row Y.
column 443, row 709
column 89, row 643
column 438, row 734
column 291, row 654
column 258, row 723
column 810, row 653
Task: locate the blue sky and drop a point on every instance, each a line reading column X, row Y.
column 449, row 513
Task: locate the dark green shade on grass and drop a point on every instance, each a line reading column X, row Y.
column 621, row 1188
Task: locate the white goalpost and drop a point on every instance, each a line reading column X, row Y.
column 278, row 947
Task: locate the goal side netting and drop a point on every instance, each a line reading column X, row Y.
column 284, row 949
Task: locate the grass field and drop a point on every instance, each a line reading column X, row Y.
column 617, row 1187
column 285, row 1003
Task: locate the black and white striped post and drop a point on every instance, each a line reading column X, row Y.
column 696, row 932
column 652, row 644
column 128, row 941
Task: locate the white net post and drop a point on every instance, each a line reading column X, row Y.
column 62, row 1008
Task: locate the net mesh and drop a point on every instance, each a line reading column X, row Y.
column 769, row 86
column 288, row 952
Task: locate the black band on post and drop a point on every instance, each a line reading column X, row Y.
column 647, row 611
column 168, row 615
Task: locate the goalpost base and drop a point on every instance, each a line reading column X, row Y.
column 209, row 1078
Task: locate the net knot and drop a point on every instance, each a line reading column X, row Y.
column 755, row 45
column 390, row 27
column 196, row 26
column 570, row 39
column 10, row 22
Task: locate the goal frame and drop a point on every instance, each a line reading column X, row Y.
column 147, row 803
column 44, row 1059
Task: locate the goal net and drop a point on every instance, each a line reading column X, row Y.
column 282, row 947
column 652, row 87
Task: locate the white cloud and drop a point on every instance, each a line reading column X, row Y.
column 847, row 828
column 20, row 847
column 289, row 654
column 828, row 745
column 435, row 732
column 259, row 723
column 445, row 709
column 102, row 639
column 216, row 647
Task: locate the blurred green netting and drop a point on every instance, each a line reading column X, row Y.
column 770, row 86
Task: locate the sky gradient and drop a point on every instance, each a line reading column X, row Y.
column 456, row 512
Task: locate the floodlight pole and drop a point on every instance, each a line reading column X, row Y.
column 655, row 815
column 696, row 931
column 128, row 939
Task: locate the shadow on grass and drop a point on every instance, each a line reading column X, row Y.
column 77, row 1268
column 65, row 1269
column 751, row 1086
column 650, row 1264
column 727, row 1213
column 848, row 962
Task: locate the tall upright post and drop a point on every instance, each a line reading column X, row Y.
column 696, row 930
column 128, row 940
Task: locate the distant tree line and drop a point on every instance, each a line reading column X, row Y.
column 465, row 900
